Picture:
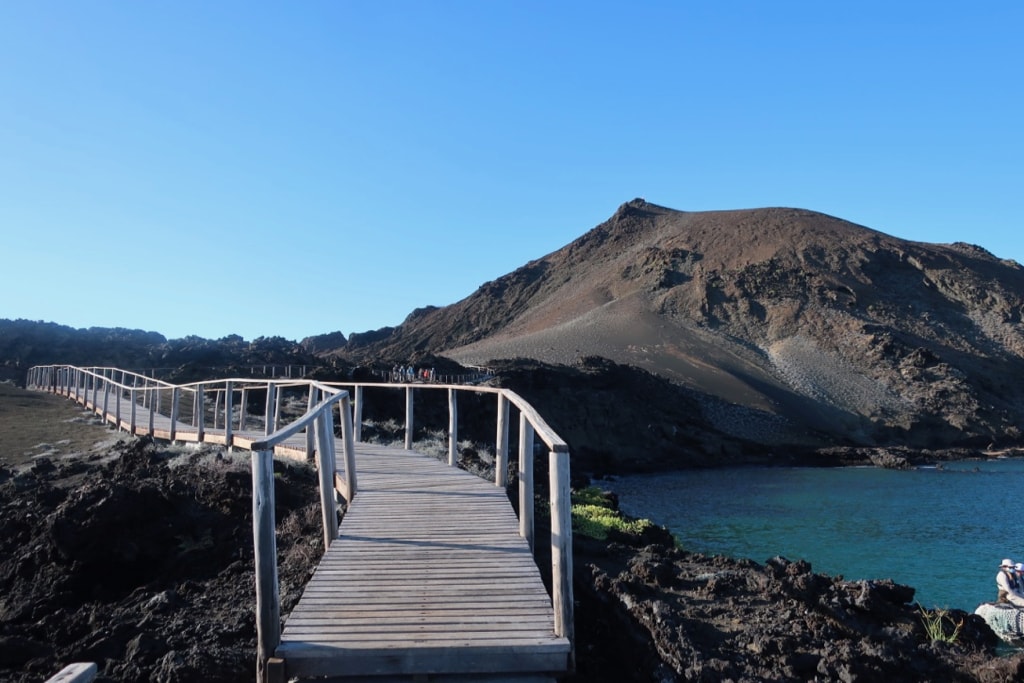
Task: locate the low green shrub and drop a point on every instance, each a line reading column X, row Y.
column 594, row 516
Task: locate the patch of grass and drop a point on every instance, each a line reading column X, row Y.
column 594, row 515
column 939, row 625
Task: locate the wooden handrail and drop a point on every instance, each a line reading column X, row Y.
column 318, row 422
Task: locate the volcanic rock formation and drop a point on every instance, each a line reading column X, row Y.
column 819, row 331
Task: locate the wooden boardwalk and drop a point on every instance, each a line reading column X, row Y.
column 429, row 578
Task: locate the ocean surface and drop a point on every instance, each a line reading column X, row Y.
column 942, row 530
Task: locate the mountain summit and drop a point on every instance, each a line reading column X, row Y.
column 834, row 332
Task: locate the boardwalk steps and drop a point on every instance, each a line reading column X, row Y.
column 430, row 576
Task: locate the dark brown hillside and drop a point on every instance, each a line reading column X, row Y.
column 839, row 330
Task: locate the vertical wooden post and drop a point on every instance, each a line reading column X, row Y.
column 242, row 408
column 453, row 427
column 357, row 419
column 175, row 400
column 95, row 392
column 152, row 407
column 117, row 406
column 561, row 546
column 408, row 418
column 310, row 440
column 349, row 446
column 278, row 399
column 526, row 529
column 501, row 443
column 229, row 412
column 216, row 410
column 106, row 400
column 131, row 419
column 268, row 607
column 200, row 417
column 270, row 413
column 324, row 427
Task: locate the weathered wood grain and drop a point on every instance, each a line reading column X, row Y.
column 429, row 575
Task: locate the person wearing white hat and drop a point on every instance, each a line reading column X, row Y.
column 1008, row 586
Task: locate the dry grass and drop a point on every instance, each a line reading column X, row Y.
column 34, row 424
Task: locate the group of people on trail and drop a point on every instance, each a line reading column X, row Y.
column 1010, row 583
column 401, row 373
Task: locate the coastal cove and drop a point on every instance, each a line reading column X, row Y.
column 942, row 530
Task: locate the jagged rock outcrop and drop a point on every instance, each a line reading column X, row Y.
column 322, row 343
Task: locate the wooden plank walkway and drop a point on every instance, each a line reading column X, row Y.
column 428, row 580
column 429, row 576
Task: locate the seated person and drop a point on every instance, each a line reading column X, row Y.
column 1008, row 585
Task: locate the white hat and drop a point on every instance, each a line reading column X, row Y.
column 1019, row 567
column 1007, row 563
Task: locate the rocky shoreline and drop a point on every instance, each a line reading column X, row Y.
column 692, row 617
column 140, row 559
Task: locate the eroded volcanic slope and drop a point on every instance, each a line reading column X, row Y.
column 839, row 332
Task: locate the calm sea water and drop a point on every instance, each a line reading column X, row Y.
column 942, row 531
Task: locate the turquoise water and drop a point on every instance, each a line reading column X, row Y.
column 941, row 530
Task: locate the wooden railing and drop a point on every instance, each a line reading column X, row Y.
column 205, row 412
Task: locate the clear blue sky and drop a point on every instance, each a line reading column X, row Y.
column 267, row 168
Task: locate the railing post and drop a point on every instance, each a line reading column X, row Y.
column 325, row 469
column 270, row 419
column 106, row 399
column 241, row 409
column 229, row 410
column 134, row 398
column 95, row 391
column 216, row 409
column 175, row 400
column 349, row 446
column 408, row 418
column 310, row 440
column 200, row 416
column 357, row 419
column 526, row 529
column 152, row 407
column 561, row 546
column 453, row 427
column 501, row 443
column 268, row 608
column 277, row 408
column 117, row 404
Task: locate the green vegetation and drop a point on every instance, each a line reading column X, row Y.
column 594, row 515
column 935, row 625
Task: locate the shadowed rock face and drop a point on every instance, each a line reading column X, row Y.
column 845, row 334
